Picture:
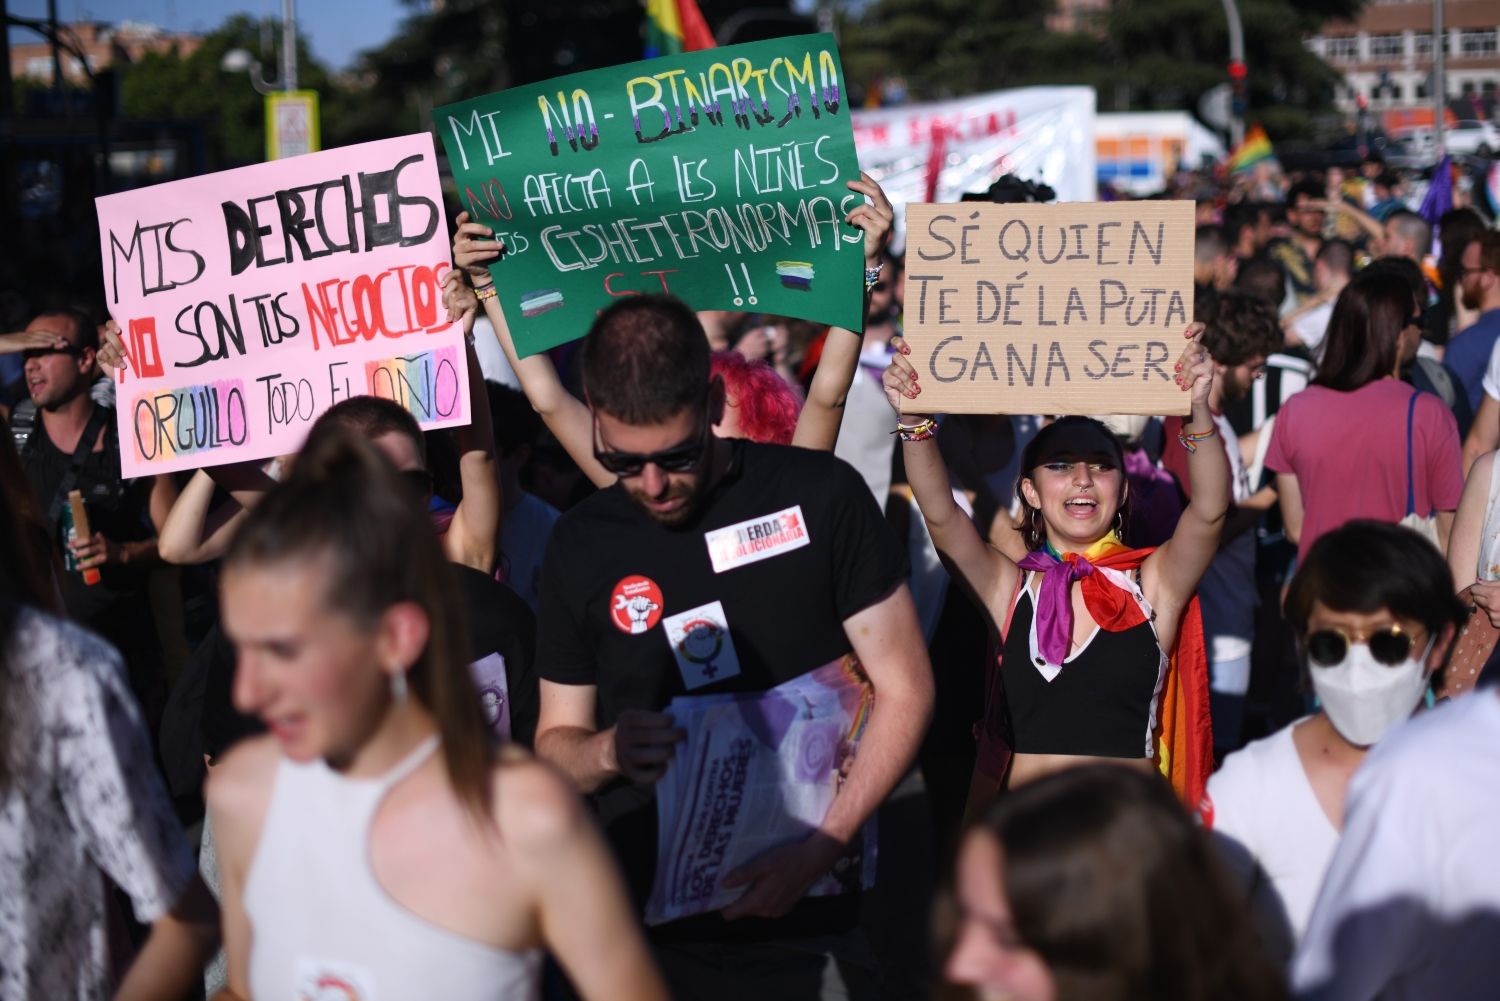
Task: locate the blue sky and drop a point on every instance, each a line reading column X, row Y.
column 337, row 29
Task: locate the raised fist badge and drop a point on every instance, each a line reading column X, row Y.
column 635, row 605
column 639, row 610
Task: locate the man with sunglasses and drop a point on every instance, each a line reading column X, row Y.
column 780, row 553
column 73, row 445
column 1373, row 609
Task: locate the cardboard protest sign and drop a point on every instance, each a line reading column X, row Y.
column 1048, row 309
column 718, row 176
column 254, row 299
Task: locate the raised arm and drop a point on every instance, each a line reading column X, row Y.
column 473, row 535
column 192, row 533
column 565, row 415
column 1171, row 574
column 1361, row 218
column 988, row 572
column 823, row 412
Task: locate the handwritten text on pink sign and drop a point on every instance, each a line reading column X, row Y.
column 253, row 300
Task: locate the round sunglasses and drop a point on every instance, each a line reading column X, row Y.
column 1328, row 647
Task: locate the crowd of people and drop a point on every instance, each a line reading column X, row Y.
column 1196, row 707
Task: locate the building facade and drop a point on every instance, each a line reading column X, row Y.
column 1386, row 55
column 102, row 45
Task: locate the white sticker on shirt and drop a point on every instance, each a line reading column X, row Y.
column 757, row 539
column 494, row 693
column 702, row 645
column 333, row 980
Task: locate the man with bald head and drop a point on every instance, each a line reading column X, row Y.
column 1407, row 235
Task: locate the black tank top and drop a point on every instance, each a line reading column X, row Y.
column 1102, row 702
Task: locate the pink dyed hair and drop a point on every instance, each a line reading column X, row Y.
column 767, row 406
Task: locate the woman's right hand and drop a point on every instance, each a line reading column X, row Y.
column 900, row 378
column 459, row 300
column 474, row 248
column 1486, row 595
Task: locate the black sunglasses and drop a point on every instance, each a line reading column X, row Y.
column 1328, row 647
column 677, row 459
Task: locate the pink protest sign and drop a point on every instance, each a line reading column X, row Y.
column 254, row 299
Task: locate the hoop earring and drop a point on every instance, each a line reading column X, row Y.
column 1037, row 535
column 1120, row 524
column 398, row 688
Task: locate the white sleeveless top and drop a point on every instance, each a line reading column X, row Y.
column 322, row 927
column 1489, row 538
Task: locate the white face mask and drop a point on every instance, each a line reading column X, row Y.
column 1365, row 698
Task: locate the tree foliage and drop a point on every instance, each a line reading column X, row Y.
column 1138, row 54
column 171, row 87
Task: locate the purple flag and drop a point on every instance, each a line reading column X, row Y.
column 1439, row 197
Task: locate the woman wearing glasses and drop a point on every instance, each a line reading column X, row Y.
column 1374, row 612
column 1359, row 442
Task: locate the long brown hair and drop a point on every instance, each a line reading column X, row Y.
column 1364, row 331
column 1121, row 894
column 344, row 502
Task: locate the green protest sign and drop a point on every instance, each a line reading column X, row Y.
column 718, row 176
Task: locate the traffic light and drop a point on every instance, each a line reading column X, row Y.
column 1239, row 90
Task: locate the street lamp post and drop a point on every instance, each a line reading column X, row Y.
column 288, row 44
column 1237, row 68
column 241, row 61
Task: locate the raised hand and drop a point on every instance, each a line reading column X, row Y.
column 1195, row 369
column 900, row 378
column 874, row 217
column 474, row 248
column 459, row 299
column 111, row 353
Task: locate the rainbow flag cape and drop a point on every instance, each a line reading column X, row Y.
column 1184, row 734
column 675, row 26
column 1255, row 148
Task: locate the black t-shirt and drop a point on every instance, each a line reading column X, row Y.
column 784, row 548
column 120, row 509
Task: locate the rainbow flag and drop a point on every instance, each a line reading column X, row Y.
column 675, row 26
column 1255, row 148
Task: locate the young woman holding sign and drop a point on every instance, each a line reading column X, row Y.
column 1086, row 672
column 375, row 844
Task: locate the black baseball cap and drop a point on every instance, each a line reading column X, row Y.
column 1079, row 439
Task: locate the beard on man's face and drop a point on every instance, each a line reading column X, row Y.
column 687, row 490
column 1471, row 297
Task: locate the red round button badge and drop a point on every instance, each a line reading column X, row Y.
column 635, row 605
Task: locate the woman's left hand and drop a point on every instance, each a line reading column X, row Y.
column 875, row 218
column 1195, row 369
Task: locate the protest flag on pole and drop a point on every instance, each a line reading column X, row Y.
column 1255, row 149
column 674, row 26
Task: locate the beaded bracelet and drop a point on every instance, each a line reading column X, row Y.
column 872, row 277
column 1190, row 440
column 487, row 292
column 920, row 431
